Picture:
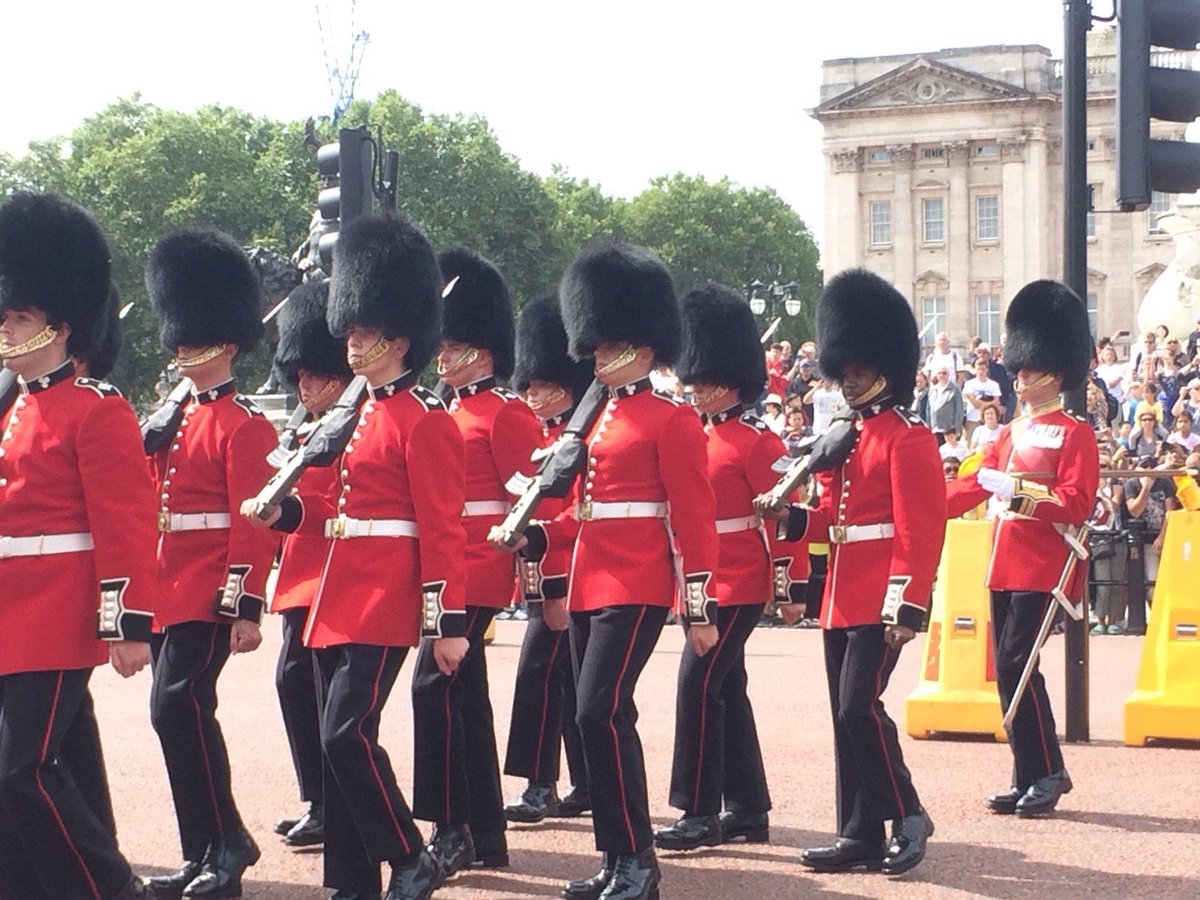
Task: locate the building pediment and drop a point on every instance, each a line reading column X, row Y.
column 931, row 277
column 922, row 82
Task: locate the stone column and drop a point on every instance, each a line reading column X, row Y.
column 844, row 226
column 1013, row 216
column 904, row 244
column 959, row 222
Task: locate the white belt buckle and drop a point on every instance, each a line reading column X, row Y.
column 837, row 534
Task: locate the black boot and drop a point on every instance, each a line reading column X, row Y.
column 451, row 848
column 135, row 889
column 754, row 827
column 343, row 894
column 221, row 872
column 635, row 877
column 414, row 880
column 491, row 850
column 592, row 888
column 689, row 833
column 1005, row 804
column 844, row 855
column 1043, row 795
column 310, row 830
column 536, row 802
column 170, row 887
column 574, row 802
column 907, row 847
column 284, row 825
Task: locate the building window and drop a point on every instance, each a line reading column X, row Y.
column 1093, row 306
column 933, row 213
column 987, row 218
column 881, row 222
column 1091, row 213
column 984, row 151
column 933, row 316
column 987, row 318
column 1159, row 204
column 933, row 153
column 879, row 156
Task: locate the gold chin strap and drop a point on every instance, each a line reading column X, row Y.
column 873, row 393
column 1040, row 383
column 326, row 392
column 469, row 356
column 628, row 355
column 377, row 350
column 713, row 397
column 200, row 358
column 42, row 339
column 554, row 397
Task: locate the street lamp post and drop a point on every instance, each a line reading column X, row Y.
column 768, row 298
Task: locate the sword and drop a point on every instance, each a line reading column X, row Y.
column 766, row 335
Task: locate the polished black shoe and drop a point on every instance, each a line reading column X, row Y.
column 635, row 877
column 689, row 833
column 844, row 855
column 416, row 880
column 221, row 872
column 753, row 827
column 354, row 895
column 491, row 850
column 536, row 802
column 451, row 848
column 1005, row 804
column 573, row 803
column 170, row 887
column 310, row 830
column 1043, row 795
column 135, row 889
column 284, row 825
column 591, row 888
column 907, row 846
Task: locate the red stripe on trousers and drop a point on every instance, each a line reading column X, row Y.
column 712, row 662
column 537, row 756
column 612, row 726
column 879, row 727
column 212, row 789
column 370, row 757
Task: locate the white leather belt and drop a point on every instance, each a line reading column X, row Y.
column 852, row 534
column 485, row 508
column 731, row 526
column 45, row 544
column 343, row 528
column 169, row 521
column 591, row 510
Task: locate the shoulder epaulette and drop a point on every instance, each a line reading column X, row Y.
column 426, row 397
column 247, row 404
column 504, row 393
column 664, row 395
column 102, row 388
column 751, row 420
column 907, row 416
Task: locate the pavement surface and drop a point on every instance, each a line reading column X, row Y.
column 1131, row 828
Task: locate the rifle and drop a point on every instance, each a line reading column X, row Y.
column 560, row 463
column 8, row 390
column 818, row 454
column 289, row 438
column 323, row 446
column 160, row 426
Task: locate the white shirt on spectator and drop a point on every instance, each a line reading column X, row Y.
column 979, row 387
column 982, row 436
column 825, row 404
column 1191, row 442
column 1114, row 372
column 958, row 451
column 950, row 359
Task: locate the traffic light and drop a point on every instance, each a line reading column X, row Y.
column 347, row 171
column 1146, row 92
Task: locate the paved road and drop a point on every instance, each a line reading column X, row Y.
column 1131, row 828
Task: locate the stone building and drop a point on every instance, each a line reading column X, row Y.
column 944, row 175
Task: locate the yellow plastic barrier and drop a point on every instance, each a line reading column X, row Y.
column 957, row 690
column 1166, row 703
column 489, row 633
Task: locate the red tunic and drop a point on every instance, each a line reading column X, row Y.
column 71, row 463
column 893, row 476
column 500, row 433
column 217, row 459
column 405, row 462
column 1059, row 451
column 546, row 579
column 647, row 447
column 303, row 557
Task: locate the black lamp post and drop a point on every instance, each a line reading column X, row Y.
column 769, row 298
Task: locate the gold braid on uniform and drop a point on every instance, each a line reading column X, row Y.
column 469, row 356
column 42, row 339
column 626, row 356
column 200, row 358
column 377, row 350
column 874, row 392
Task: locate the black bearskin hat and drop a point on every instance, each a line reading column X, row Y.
column 205, row 291
column 615, row 291
column 1047, row 331
column 477, row 309
column 542, row 350
column 304, row 338
column 54, row 257
column 864, row 321
column 385, row 276
column 720, row 342
column 103, row 356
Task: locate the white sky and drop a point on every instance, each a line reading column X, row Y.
column 617, row 91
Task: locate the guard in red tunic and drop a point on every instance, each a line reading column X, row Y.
column 393, row 570
column 644, row 539
column 312, row 362
column 881, row 512
column 543, row 713
column 456, row 768
column 212, row 566
column 1043, row 473
column 76, row 557
column 717, row 755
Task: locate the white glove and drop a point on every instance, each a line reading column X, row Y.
column 1000, row 484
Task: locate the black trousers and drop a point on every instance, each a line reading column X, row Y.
column 187, row 660
column 296, row 686
column 543, row 713
column 816, row 585
column 873, row 784
column 717, row 755
column 54, row 845
column 366, row 818
column 83, row 756
column 609, row 649
column 1016, row 618
column 457, row 771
